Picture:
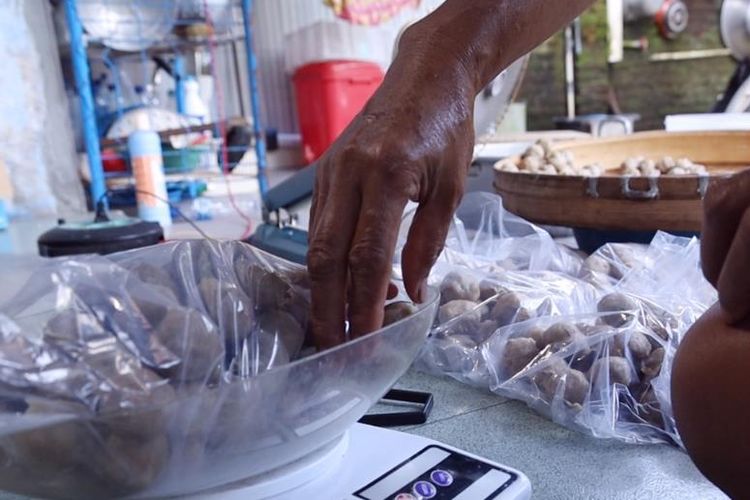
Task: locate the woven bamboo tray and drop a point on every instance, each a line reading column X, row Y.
column 615, row 202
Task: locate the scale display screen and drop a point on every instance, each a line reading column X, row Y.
column 442, row 474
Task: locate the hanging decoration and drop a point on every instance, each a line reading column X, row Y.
column 369, row 12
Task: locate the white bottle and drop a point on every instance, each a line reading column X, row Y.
column 144, row 146
column 194, row 105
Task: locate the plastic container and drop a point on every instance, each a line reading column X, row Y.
column 144, row 146
column 190, row 429
column 184, row 159
column 194, row 105
column 329, row 95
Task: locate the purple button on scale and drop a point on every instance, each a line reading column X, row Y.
column 424, row 489
column 441, row 478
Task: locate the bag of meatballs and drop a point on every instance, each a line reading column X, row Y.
column 590, row 348
column 604, row 373
column 473, row 306
column 119, row 371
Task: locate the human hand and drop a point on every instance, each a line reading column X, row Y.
column 413, row 141
column 725, row 244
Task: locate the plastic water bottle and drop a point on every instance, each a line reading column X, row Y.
column 144, row 146
column 194, row 105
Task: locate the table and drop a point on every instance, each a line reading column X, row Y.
column 560, row 463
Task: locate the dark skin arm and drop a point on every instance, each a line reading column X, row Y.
column 725, row 245
column 413, row 141
column 710, row 380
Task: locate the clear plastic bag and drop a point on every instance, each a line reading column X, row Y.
column 588, row 343
column 606, row 267
column 487, row 238
column 474, row 306
column 166, row 371
column 496, row 239
column 603, row 373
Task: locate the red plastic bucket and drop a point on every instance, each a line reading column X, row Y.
column 329, row 95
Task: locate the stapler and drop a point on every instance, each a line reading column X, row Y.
column 281, row 234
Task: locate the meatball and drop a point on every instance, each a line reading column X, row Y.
column 651, row 366
column 639, row 345
column 455, row 353
column 397, row 311
column 468, row 326
column 507, row 309
column 576, row 387
column 486, row 329
column 622, row 307
column 537, row 334
column 193, row 337
column 518, row 354
column 153, row 301
column 549, row 378
column 596, row 264
column 51, row 448
column 129, row 465
column 459, row 286
column 489, row 289
column 456, row 308
column 560, row 334
column 611, row 370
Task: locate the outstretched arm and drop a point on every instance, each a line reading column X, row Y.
column 413, row 141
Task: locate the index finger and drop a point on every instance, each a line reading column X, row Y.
column 724, row 206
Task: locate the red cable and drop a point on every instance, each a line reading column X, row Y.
column 222, row 125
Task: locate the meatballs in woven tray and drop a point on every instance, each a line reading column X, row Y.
column 117, row 368
column 543, row 159
column 590, row 348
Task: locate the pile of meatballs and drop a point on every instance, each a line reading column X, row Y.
column 138, row 368
column 542, row 159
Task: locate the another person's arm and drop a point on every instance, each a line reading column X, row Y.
column 725, row 244
column 413, row 141
column 711, row 375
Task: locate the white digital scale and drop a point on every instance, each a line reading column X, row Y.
column 372, row 463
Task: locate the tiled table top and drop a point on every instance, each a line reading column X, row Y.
column 560, row 463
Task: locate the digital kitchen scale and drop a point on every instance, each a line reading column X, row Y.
column 372, row 463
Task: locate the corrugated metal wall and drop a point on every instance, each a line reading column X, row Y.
column 274, row 20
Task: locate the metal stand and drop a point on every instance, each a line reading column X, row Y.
column 88, row 115
column 252, row 66
column 81, row 70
